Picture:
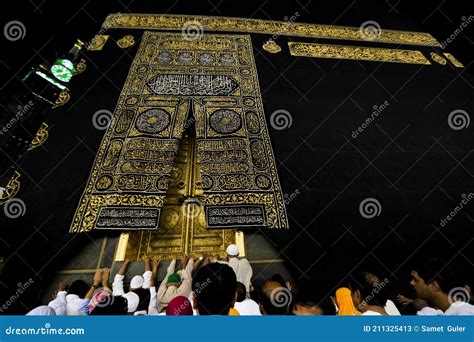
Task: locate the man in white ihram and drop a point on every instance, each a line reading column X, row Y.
column 241, row 267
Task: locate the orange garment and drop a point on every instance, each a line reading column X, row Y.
column 233, row 312
column 344, row 303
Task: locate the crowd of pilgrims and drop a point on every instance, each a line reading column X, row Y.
column 209, row 286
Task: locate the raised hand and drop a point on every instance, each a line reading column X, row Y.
column 184, row 261
column 123, row 268
column 63, row 286
column 155, row 264
column 105, row 277
column 404, row 300
column 97, row 278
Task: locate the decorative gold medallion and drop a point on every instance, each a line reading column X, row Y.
column 126, row 41
column 453, row 60
column 40, row 136
column 11, row 188
column 357, row 53
column 62, row 99
column 97, row 43
column 80, row 67
column 437, row 58
column 271, row 46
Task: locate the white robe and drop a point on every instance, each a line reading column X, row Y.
column 460, row 309
column 132, row 298
column 247, row 307
column 242, row 270
column 69, row 304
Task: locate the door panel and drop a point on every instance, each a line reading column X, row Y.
column 182, row 227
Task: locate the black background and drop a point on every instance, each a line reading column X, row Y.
column 409, row 158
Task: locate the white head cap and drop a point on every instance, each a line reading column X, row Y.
column 137, row 282
column 232, row 250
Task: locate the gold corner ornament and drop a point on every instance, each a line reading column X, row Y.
column 126, row 41
column 437, row 58
column 80, row 67
column 271, row 46
column 62, row 99
column 11, row 189
column 174, row 22
column 357, row 53
column 40, row 137
column 97, row 43
column 453, row 60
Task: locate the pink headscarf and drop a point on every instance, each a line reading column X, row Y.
column 179, row 306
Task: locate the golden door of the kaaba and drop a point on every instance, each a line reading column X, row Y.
column 187, row 157
column 182, row 228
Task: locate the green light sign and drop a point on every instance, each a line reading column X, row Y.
column 63, row 70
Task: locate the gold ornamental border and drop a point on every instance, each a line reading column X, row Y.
column 356, row 53
column 248, row 25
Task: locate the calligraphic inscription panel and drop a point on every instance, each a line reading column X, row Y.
column 246, row 25
column 214, row 78
column 357, row 53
